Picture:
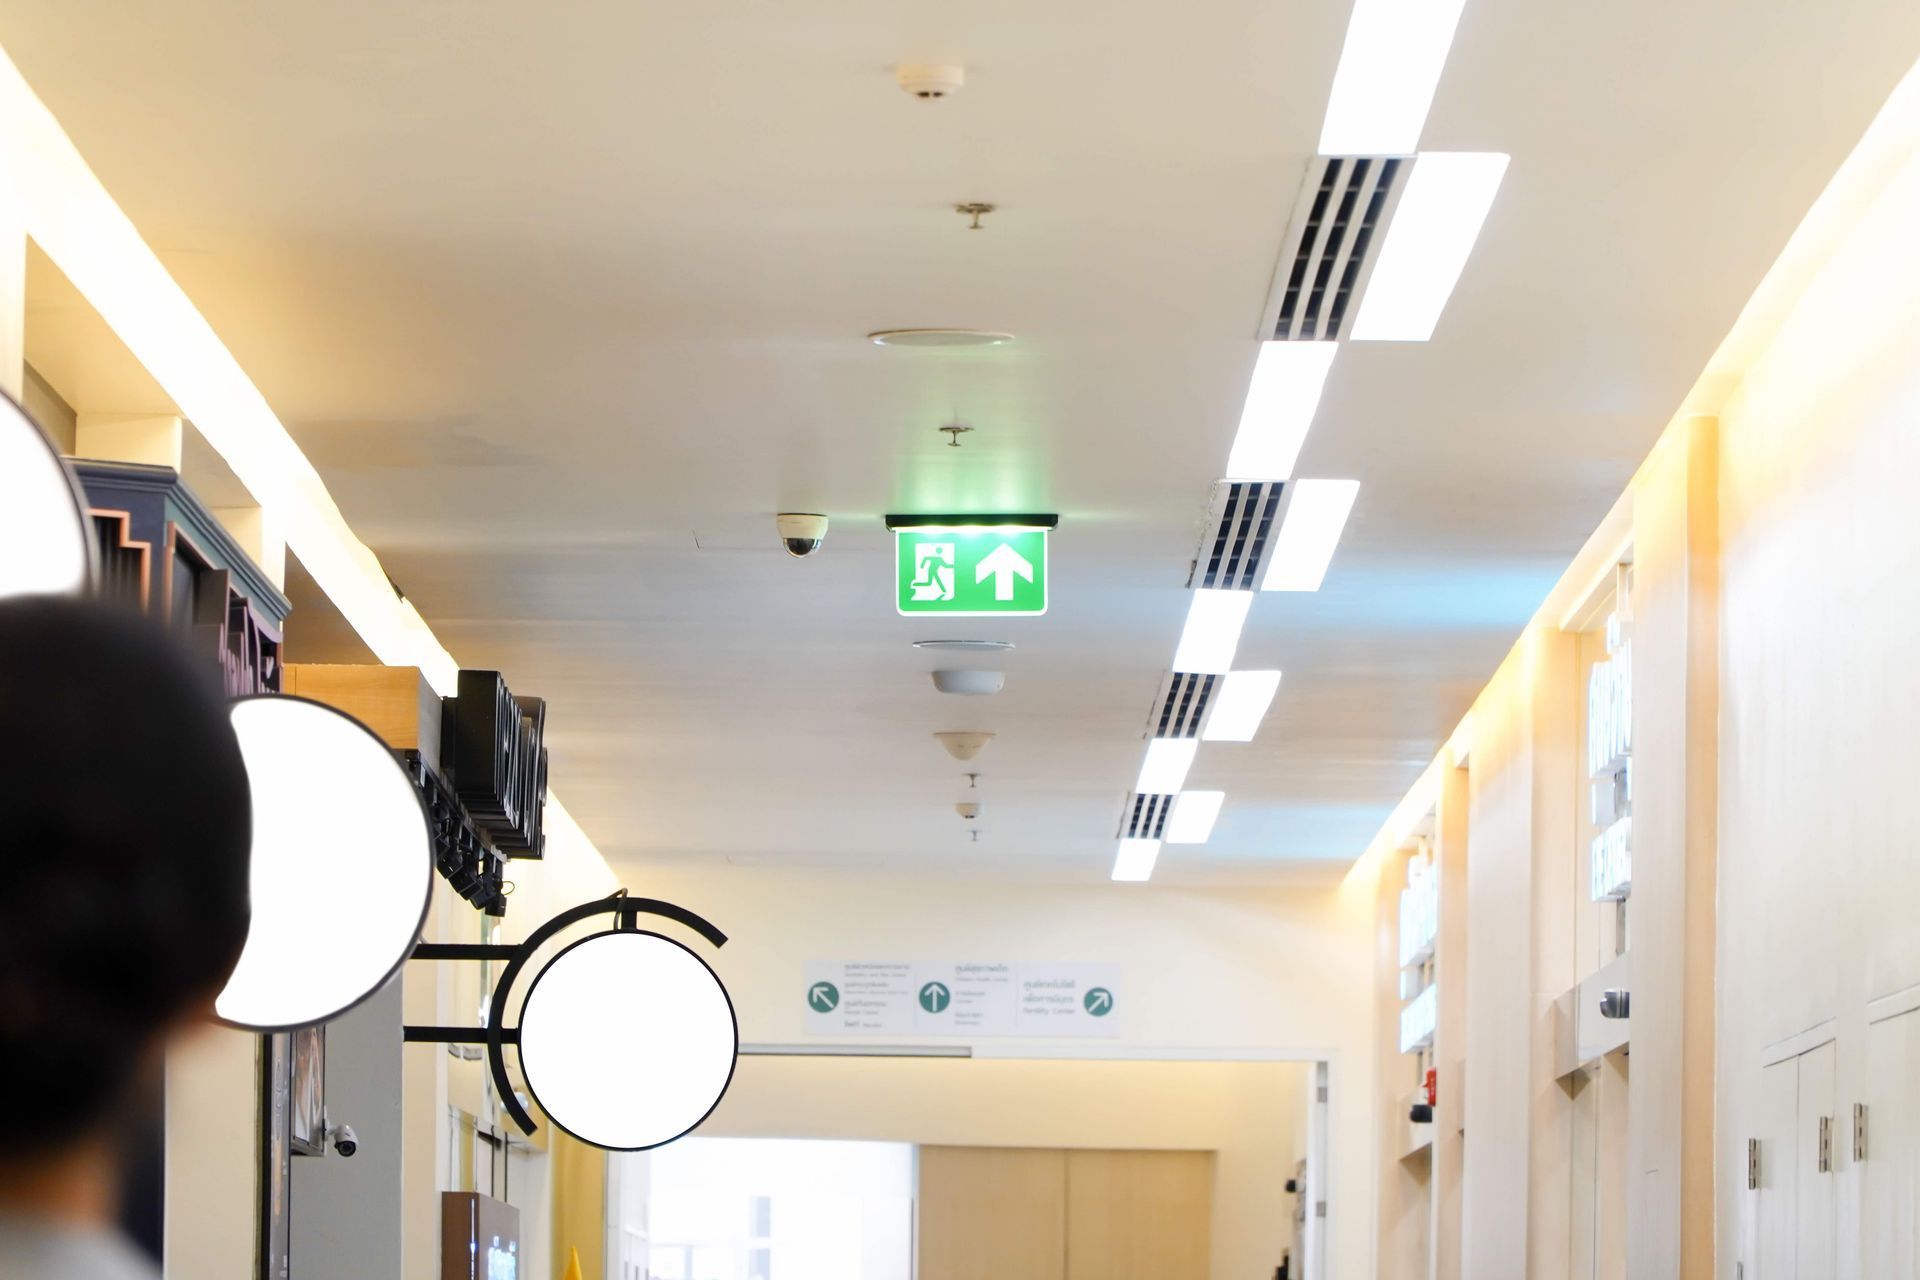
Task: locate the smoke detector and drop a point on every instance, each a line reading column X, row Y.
column 971, row 684
column 967, row 809
column 963, row 744
column 930, row 83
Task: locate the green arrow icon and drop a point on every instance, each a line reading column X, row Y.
column 1099, row 1001
column 823, row 997
column 934, row 997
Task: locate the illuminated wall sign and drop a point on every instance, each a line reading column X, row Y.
column 1610, row 763
column 970, row 566
column 1419, row 1019
column 1419, row 926
column 45, row 543
column 961, row 998
column 627, row 1038
column 339, row 833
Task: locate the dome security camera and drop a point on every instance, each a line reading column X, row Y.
column 801, row 533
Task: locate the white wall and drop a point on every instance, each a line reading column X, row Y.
column 1251, row 974
column 347, row 1211
column 1820, row 626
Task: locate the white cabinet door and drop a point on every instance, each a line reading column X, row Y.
column 1889, row 1178
column 1773, row 1202
column 1818, row 1143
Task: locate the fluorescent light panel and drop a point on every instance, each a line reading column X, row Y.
column 1427, row 245
column 1134, row 861
column 1240, row 703
column 1164, row 770
column 1389, row 68
column 1309, row 531
column 1287, row 381
column 1193, row 816
column 1212, row 632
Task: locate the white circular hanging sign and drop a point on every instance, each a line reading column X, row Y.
column 628, row 1040
column 46, row 547
column 342, row 867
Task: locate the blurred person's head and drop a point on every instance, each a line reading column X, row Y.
column 124, row 837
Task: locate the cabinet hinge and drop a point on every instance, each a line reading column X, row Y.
column 1826, row 1144
column 1859, row 1132
column 1753, row 1164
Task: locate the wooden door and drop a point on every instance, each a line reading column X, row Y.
column 992, row 1213
column 1139, row 1215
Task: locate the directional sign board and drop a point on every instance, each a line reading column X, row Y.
column 971, row 571
column 961, row 998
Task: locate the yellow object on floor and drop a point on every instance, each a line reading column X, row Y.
column 573, row 1265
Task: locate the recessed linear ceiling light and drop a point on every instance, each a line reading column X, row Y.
column 1194, row 813
column 1309, row 531
column 938, row 337
column 1239, row 704
column 1432, row 232
column 1164, row 769
column 1389, row 68
column 1212, row 632
column 1287, row 381
column 1134, row 862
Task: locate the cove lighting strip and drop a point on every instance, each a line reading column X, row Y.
column 76, row 223
column 1389, row 68
column 1445, row 203
column 71, row 216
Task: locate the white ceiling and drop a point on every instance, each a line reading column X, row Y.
column 565, row 308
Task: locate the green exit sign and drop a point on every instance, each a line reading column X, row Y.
column 969, row 570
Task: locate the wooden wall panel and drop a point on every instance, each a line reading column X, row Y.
column 1675, row 708
column 992, row 1213
column 1139, row 1215
column 396, row 703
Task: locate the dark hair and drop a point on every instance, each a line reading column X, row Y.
column 125, row 827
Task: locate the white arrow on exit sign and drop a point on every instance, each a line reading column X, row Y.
column 1001, row 564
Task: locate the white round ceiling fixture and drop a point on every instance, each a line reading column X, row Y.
column 970, row 684
column 628, row 1040
column 938, row 337
column 46, row 547
column 342, row 866
column 963, row 744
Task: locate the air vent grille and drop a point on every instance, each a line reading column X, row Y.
column 1182, row 707
column 1235, row 546
column 1145, row 817
column 1333, row 234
